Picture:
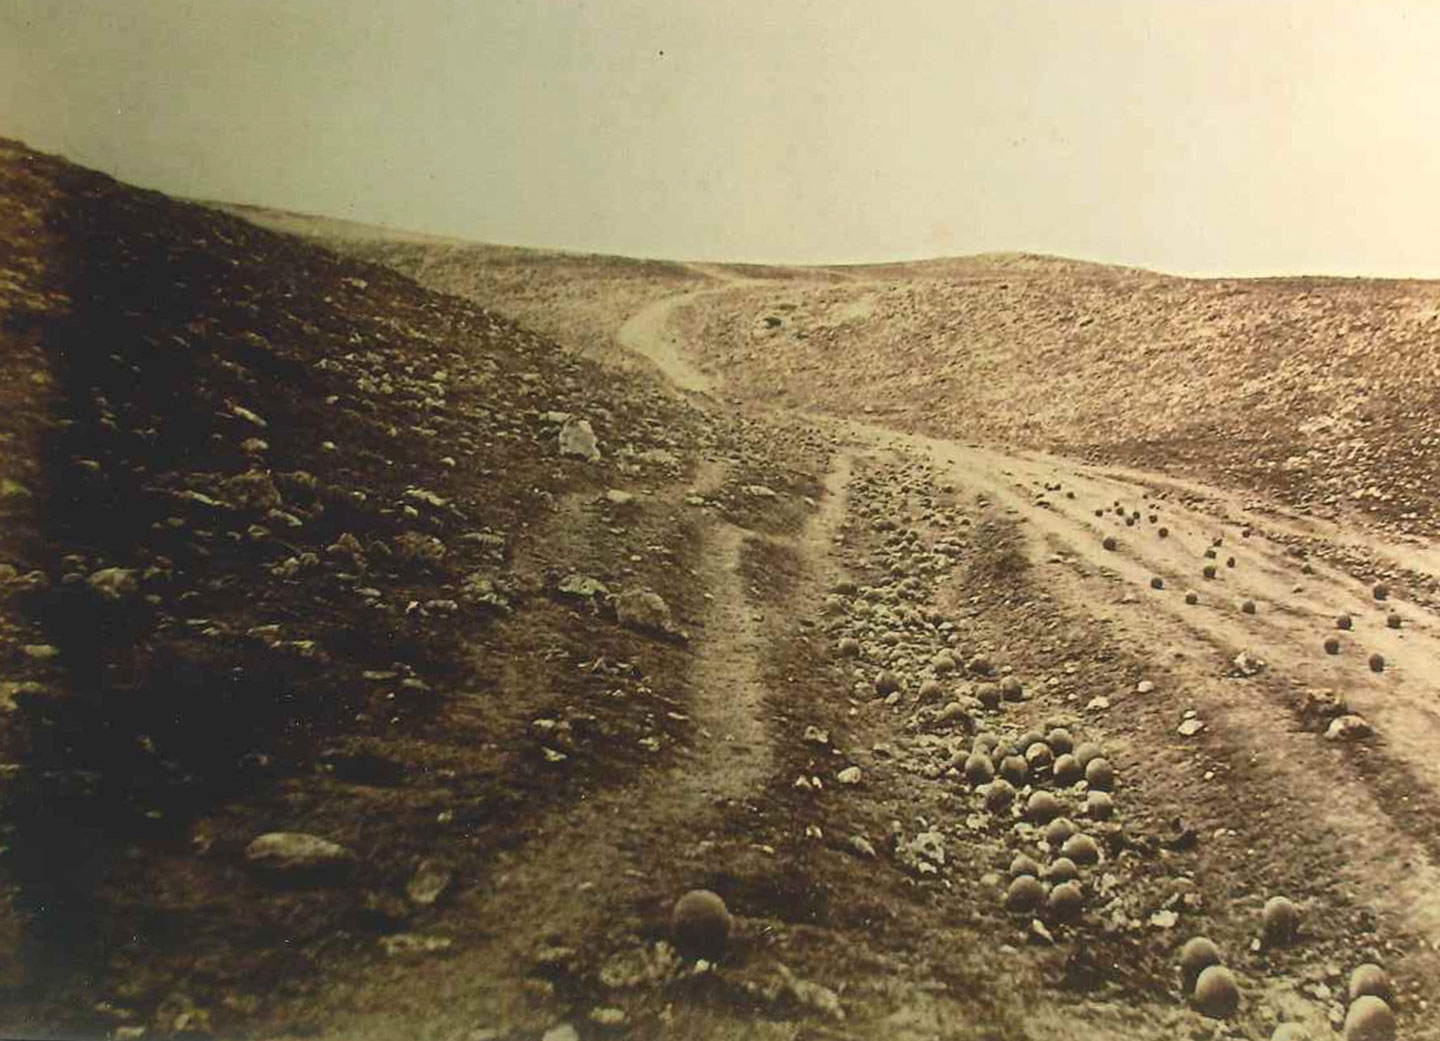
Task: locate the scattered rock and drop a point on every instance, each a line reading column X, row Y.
column 645, row 610
column 114, row 585
column 1348, row 728
column 849, row 776
column 296, row 853
column 577, row 439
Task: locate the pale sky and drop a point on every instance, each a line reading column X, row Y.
column 1198, row 137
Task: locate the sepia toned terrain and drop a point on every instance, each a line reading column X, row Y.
column 349, row 691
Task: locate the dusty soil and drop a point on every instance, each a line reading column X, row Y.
column 469, row 709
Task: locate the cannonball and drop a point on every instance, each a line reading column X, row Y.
column 1392, row 620
column 1066, row 902
column 1377, row 663
column 1129, row 522
column 1023, row 865
column 1099, row 513
column 1280, row 921
column 1109, row 542
column 999, row 794
column 1192, row 598
column 1099, row 805
column 849, row 647
column 1369, row 1019
column 1042, row 807
column 1024, row 894
column 1058, row 830
column 1086, row 752
column 1154, row 518
column 1343, row 622
column 1067, row 770
column 1011, row 690
column 979, row 769
column 929, row 689
column 1370, row 979
column 1248, row 607
column 887, row 682
column 1014, row 769
column 1381, row 591
column 988, row 694
column 1198, row 954
column 700, row 924
column 1039, row 756
column 1060, row 740
column 1216, row 993
column 1245, row 533
column 1081, row 848
column 1210, row 554
column 1332, row 645
column 1209, row 571
column 1028, row 738
column 1062, row 869
column 1100, row 775
column 1157, row 583
column 986, row 742
column 1229, row 561
column 1163, row 532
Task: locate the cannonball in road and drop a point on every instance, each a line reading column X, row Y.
column 1280, row 921
column 1370, row 979
column 1198, row 954
column 999, row 794
column 1332, row 645
column 1042, row 807
column 1377, row 663
column 1217, row 995
column 1066, row 902
column 1062, row 869
column 1343, row 622
column 1086, row 752
column 1369, row 1019
column 1014, row 769
column 1025, row 894
column 1067, row 770
column 1081, row 848
column 979, row 769
column 1058, row 830
column 1099, row 805
column 700, row 924
column 1060, row 740
column 1100, row 775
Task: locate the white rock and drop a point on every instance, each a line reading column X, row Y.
column 577, row 438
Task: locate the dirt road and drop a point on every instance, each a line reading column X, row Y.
column 1289, row 806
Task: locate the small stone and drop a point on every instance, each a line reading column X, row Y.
column 577, row 439
column 645, row 610
column 1190, row 728
column 1348, row 728
column 849, row 776
column 295, row 853
column 114, row 584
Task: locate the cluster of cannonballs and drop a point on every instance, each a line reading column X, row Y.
column 1346, row 623
column 1000, row 768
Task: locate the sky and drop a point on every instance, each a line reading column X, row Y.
column 1204, row 137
